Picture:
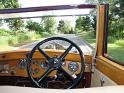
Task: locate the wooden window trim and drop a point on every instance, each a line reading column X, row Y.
column 108, row 67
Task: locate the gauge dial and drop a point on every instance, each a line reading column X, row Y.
column 44, row 65
column 23, row 64
column 73, row 66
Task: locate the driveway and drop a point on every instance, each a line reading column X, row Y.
column 85, row 47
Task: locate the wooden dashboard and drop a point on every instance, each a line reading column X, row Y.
column 10, row 62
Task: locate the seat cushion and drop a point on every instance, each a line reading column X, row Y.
column 15, row 89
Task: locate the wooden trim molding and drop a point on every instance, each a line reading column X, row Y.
column 12, row 59
column 113, row 70
column 21, row 54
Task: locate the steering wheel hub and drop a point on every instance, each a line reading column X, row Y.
column 55, row 63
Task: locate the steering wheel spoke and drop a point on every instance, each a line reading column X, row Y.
column 44, row 54
column 70, row 77
column 48, row 71
column 66, row 52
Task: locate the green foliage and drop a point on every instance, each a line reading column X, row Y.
column 12, row 40
column 45, row 34
column 116, row 52
column 72, row 31
column 3, row 40
column 64, row 27
column 9, row 4
column 84, row 23
column 15, row 24
column 4, row 32
column 88, row 37
column 34, row 26
column 79, row 23
column 23, row 37
column 116, row 17
column 93, row 24
column 111, row 39
column 48, row 23
column 120, row 42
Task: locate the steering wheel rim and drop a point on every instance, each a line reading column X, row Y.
column 37, row 47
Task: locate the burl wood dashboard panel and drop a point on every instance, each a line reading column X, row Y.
column 9, row 62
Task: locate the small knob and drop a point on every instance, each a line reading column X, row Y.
column 13, row 72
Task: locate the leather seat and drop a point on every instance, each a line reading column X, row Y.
column 107, row 89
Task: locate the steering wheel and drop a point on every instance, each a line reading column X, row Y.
column 55, row 63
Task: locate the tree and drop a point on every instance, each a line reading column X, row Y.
column 79, row 23
column 93, row 23
column 15, row 24
column 61, row 25
column 86, row 24
column 48, row 23
column 116, row 16
column 64, row 27
column 9, row 4
column 83, row 23
column 34, row 26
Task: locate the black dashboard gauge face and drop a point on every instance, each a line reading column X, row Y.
column 23, row 64
column 44, row 65
column 73, row 66
column 36, row 71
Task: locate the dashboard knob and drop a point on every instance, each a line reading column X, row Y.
column 12, row 72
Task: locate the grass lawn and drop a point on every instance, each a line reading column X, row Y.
column 88, row 37
column 115, row 50
column 6, row 47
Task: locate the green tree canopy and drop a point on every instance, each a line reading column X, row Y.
column 65, row 27
column 15, row 24
column 9, row 4
column 34, row 26
column 83, row 23
column 116, row 16
column 48, row 23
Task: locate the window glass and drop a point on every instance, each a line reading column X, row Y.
column 116, row 32
column 116, row 49
column 20, row 30
column 20, row 33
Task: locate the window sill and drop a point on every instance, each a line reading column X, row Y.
column 111, row 69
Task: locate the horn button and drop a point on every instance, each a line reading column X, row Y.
column 55, row 62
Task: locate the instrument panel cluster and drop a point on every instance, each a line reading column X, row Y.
column 18, row 68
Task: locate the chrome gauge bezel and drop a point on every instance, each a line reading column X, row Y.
column 73, row 69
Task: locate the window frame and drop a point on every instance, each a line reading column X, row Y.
column 103, row 63
column 105, row 41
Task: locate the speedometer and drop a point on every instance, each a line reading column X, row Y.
column 73, row 66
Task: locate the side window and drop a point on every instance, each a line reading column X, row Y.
column 116, row 35
column 116, row 45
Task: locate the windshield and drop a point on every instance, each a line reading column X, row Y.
column 25, row 30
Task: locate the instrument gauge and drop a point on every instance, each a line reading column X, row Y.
column 23, row 64
column 73, row 66
column 44, row 65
